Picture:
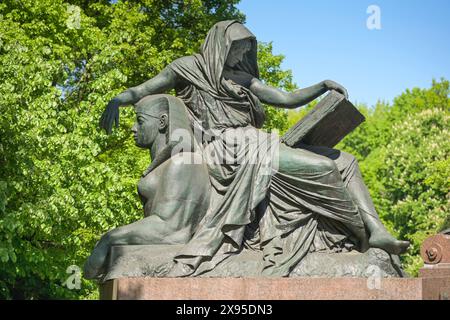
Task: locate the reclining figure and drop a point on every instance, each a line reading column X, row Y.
column 175, row 188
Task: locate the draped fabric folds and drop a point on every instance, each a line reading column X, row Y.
column 285, row 214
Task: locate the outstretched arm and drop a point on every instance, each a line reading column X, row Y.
column 298, row 98
column 164, row 81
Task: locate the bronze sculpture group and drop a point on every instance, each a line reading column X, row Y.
column 241, row 187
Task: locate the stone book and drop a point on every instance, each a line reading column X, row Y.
column 328, row 123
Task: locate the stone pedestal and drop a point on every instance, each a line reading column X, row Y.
column 276, row 289
column 433, row 284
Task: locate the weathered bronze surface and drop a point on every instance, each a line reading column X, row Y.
column 248, row 191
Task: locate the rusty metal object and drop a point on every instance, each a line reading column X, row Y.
column 436, row 249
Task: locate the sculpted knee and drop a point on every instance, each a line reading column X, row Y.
column 325, row 164
column 348, row 157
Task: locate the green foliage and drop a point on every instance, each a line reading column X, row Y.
column 403, row 151
column 446, row 224
column 409, row 179
column 272, row 74
column 377, row 130
column 373, row 133
column 63, row 182
column 404, row 156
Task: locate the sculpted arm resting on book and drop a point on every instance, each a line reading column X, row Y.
column 167, row 80
column 298, row 98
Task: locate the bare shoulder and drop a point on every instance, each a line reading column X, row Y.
column 185, row 171
column 186, row 165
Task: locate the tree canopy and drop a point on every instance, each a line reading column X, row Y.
column 404, row 150
column 64, row 183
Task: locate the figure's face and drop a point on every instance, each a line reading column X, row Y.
column 146, row 129
column 237, row 51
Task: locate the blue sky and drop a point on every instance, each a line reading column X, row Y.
column 329, row 39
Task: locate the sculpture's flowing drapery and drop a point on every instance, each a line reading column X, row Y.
column 285, row 214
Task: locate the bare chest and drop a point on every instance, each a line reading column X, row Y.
column 147, row 190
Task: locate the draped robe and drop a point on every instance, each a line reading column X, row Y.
column 254, row 205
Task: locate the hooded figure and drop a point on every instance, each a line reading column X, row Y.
column 228, row 112
column 214, row 101
column 287, row 205
column 252, row 205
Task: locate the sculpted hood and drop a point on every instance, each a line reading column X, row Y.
column 226, row 104
column 217, row 45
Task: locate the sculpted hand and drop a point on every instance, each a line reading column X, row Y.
column 331, row 85
column 110, row 116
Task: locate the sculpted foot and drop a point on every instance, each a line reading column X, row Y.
column 179, row 270
column 384, row 240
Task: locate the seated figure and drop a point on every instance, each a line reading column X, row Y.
column 174, row 192
column 315, row 199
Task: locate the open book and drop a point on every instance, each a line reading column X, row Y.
column 328, row 123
